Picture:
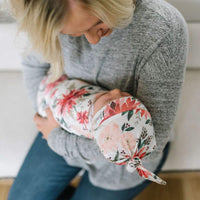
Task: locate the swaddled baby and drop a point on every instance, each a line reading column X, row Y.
column 118, row 122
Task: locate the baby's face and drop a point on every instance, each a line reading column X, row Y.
column 104, row 98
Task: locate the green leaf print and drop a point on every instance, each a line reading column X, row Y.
column 130, row 114
column 63, row 122
column 84, row 86
column 123, row 127
column 75, row 108
column 87, row 94
column 142, row 144
column 124, row 112
column 139, row 143
column 117, row 156
column 147, row 154
column 147, row 121
column 129, row 129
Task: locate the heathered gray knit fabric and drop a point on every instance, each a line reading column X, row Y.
column 146, row 59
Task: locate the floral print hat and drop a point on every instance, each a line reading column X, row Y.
column 123, row 128
column 124, row 132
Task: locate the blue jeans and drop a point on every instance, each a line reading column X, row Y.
column 44, row 175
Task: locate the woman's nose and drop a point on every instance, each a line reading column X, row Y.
column 93, row 37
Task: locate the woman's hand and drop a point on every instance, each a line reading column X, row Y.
column 47, row 124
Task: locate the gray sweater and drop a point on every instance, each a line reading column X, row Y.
column 146, row 59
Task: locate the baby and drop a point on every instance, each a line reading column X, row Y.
column 119, row 123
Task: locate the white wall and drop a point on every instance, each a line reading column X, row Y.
column 17, row 129
column 189, row 9
column 11, row 47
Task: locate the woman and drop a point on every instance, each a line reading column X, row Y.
column 139, row 47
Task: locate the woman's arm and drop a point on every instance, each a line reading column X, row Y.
column 160, row 83
column 34, row 68
column 73, row 146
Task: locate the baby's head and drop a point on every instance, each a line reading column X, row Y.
column 123, row 130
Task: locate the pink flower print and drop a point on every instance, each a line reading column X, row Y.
column 79, row 93
column 109, row 138
column 111, row 110
column 128, row 142
column 52, row 85
column 66, row 103
column 122, row 163
column 129, row 105
column 117, row 106
column 53, row 93
column 82, row 117
column 143, row 112
column 143, row 172
column 140, row 154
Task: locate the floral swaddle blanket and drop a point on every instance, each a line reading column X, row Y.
column 122, row 129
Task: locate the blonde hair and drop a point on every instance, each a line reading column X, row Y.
column 43, row 20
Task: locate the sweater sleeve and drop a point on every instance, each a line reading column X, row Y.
column 34, row 68
column 73, row 146
column 160, row 84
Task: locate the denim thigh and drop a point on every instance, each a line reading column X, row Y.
column 43, row 174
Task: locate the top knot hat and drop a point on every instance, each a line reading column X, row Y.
column 124, row 132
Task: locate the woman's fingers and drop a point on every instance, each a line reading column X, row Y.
column 50, row 117
column 49, row 113
column 38, row 119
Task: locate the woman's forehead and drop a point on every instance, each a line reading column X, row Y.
column 78, row 20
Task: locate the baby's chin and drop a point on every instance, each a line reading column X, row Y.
column 98, row 104
column 125, row 94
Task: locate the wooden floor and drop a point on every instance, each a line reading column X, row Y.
column 180, row 186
